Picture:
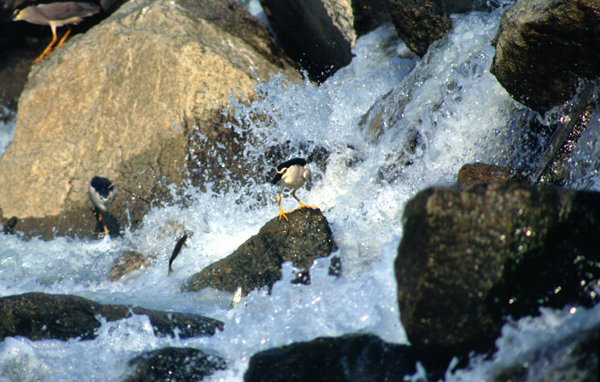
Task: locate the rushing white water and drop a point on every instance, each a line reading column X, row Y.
column 456, row 109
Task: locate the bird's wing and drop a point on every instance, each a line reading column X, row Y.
column 67, row 9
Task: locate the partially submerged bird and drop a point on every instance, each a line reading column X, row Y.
column 102, row 194
column 54, row 13
column 292, row 174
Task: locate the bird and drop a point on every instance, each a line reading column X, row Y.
column 102, row 194
column 54, row 13
column 293, row 174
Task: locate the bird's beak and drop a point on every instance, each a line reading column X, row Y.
column 11, row 18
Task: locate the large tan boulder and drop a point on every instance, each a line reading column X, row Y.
column 120, row 101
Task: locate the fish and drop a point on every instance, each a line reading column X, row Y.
column 176, row 251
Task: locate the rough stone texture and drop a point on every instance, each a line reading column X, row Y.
column 257, row 262
column 471, row 257
column 481, row 173
column 354, row 357
column 175, row 364
column 117, row 102
column 128, row 262
column 419, row 22
column 544, row 48
column 319, row 34
column 574, row 359
column 40, row 316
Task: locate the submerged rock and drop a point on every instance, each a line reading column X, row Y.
column 120, row 102
column 471, row 257
column 574, row 359
column 354, row 357
column 175, row 364
column 257, row 262
column 40, row 316
column 545, row 47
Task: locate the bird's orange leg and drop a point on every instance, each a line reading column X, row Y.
column 302, row 205
column 48, row 49
column 101, row 220
column 62, row 40
column 281, row 213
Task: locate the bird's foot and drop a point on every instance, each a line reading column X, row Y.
column 282, row 214
column 302, row 205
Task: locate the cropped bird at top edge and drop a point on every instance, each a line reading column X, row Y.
column 54, row 14
column 102, row 194
column 293, row 174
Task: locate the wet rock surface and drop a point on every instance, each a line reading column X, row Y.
column 470, row 258
column 354, row 357
column 419, row 23
column 40, row 316
column 545, row 47
column 257, row 262
column 481, row 173
column 174, row 364
column 318, row 34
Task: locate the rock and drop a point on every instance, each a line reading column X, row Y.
column 469, row 258
column 120, row 102
column 545, row 47
column 40, row 316
column 573, row 359
column 419, row 22
column 257, row 262
column 128, row 262
column 319, row 34
column 174, row 364
column 481, row 173
column 369, row 15
column 354, row 357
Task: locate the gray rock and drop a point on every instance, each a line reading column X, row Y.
column 353, row 357
column 119, row 102
column 257, row 262
column 175, row 364
column 471, row 257
column 545, row 47
column 319, row 34
column 40, row 316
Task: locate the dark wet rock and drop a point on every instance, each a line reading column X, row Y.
column 545, row 47
column 40, row 316
column 573, row 358
column 257, row 262
column 471, row 257
column 419, row 22
column 184, row 325
column 8, row 227
column 128, row 262
column 354, row 357
column 80, row 107
column 570, row 122
column 481, row 173
column 318, row 34
column 369, row 15
column 175, row 364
